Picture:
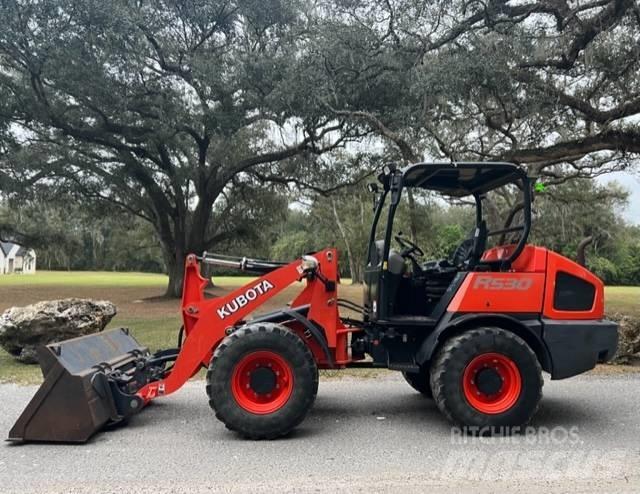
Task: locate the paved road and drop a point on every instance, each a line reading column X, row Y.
column 362, row 436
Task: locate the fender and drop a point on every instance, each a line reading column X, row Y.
column 529, row 329
column 299, row 314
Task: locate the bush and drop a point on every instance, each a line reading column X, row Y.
column 604, row 269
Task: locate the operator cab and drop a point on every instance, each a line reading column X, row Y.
column 404, row 289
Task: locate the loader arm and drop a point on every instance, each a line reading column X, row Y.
column 208, row 321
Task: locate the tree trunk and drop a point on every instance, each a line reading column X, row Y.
column 492, row 213
column 413, row 220
column 356, row 274
column 352, row 267
column 512, row 214
column 206, row 272
column 178, row 245
column 175, row 270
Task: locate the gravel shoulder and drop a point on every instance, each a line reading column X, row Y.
column 363, row 435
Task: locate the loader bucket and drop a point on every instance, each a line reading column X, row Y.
column 83, row 388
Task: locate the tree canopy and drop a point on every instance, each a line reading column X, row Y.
column 552, row 85
column 160, row 107
column 206, row 119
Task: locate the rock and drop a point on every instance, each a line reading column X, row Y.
column 629, row 338
column 24, row 329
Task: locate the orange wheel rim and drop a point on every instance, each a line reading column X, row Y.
column 492, row 383
column 262, row 382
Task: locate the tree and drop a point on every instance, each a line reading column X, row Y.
column 579, row 215
column 551, row 85
column 188, row 114
column 161, row 108
column 336, row 204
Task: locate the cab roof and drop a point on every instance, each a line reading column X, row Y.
column 462, row 178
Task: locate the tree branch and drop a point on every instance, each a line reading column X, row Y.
column 615, row 140
column 407, row 152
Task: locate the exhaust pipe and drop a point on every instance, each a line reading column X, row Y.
column 89, row 382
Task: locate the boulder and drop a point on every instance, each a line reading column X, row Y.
column 23, row 329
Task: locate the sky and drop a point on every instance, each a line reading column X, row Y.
column 632, row 184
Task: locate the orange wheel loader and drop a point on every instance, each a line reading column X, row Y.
column 472, row 332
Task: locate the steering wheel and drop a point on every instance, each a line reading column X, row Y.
column 408, row 247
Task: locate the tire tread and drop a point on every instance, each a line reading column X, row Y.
column 459, row 346
column 225, row 413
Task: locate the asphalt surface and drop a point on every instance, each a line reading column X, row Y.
column 372, row 435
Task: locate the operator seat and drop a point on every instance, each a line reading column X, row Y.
column 395, row 262
column 469, row 252
column 439, row 274
column 466, row 255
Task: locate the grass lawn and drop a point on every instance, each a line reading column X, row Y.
column 624, row 299
column 102, row 278
column 153, row 319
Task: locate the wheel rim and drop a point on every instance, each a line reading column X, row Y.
column 262, row 382
column 492, row 383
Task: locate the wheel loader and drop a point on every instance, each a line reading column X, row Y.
column 473, row 332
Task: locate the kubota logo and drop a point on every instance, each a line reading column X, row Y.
column 493, row 283
column 243, row 299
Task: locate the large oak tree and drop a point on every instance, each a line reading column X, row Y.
column 160, row 107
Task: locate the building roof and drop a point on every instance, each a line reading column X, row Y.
column 7, row 247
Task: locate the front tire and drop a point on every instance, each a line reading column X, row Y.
column 487, row 379
column 262, row 381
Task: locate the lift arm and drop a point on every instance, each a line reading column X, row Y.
column 208, row 321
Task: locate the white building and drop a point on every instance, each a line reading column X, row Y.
column 16, row 259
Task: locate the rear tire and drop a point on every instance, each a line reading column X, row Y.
column 262, row 381
column 419, row 381
column 487, row 380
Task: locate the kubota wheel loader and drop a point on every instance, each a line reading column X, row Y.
column 473, row 332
